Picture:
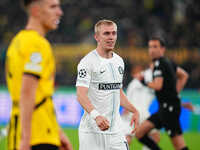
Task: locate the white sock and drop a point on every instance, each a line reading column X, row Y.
column 145, row 148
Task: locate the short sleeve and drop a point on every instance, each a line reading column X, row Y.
column 148, row 75
column 33, row 58
column 83, row 74
column 158, row 69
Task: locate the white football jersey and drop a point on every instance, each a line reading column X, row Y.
column 139, row 95
column 103, row 78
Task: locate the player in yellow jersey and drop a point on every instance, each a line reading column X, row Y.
column 30, row 71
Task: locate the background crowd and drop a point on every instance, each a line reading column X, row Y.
column 177, row 20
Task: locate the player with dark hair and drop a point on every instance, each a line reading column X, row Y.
column 30, row 72
column 168, row 81
column 141, row 97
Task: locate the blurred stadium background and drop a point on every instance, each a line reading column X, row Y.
column 177, row 20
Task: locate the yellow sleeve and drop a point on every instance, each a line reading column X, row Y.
column 34, row 57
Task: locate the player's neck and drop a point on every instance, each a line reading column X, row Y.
column 34, row 24
column 105, row 53
column 154, row 59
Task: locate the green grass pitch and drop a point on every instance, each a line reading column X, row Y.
column 192, row 139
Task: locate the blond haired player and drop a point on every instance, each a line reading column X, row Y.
column 99, row 91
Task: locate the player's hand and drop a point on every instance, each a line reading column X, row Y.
column 135, row 121
column 65, row 143
column 102, row 123
column 24, row 144
column 188, row 106
column 125, row 112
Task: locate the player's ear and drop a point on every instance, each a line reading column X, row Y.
column 34, row 10
column 96, row 37
column 163, row 49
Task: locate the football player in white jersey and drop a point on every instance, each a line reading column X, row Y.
column 99, row 91
column 141, row 97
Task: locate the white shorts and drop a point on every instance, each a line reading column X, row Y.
column 98, row 141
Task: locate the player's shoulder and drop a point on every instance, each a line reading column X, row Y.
column 89, row 58
column 31, row 38
column 118, row 58
column 165, row 60
column 134, row 84
column 160, row 61
column 28, row 35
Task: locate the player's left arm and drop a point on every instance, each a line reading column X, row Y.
column 182, row 77
column 188, row 105
column 124, row 102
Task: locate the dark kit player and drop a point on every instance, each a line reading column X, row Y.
column 168, row 81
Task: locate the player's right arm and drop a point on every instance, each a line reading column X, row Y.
column 83, row 99
column 27, row 103
column 33, row 60
column 82, row 85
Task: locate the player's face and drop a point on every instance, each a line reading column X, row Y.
column 155, row 49
column 106, row 36
column 50, row 14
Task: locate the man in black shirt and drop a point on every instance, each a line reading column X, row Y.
column 168, row 81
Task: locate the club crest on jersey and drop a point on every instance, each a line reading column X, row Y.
column 82, row 73
column 36, row 58
column 121, row 70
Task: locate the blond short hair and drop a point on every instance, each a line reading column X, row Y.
column 103, row 22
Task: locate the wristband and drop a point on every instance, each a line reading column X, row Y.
column 94, row 113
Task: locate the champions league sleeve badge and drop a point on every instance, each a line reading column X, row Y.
column 82, row 73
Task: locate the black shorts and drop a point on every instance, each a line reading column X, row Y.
column 167, row 118
column 45, row 147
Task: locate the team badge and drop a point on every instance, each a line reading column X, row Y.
column 82, row 73
column 121, row 70
column 36, row 58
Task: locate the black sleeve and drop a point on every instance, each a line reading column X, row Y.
column 158, row 70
